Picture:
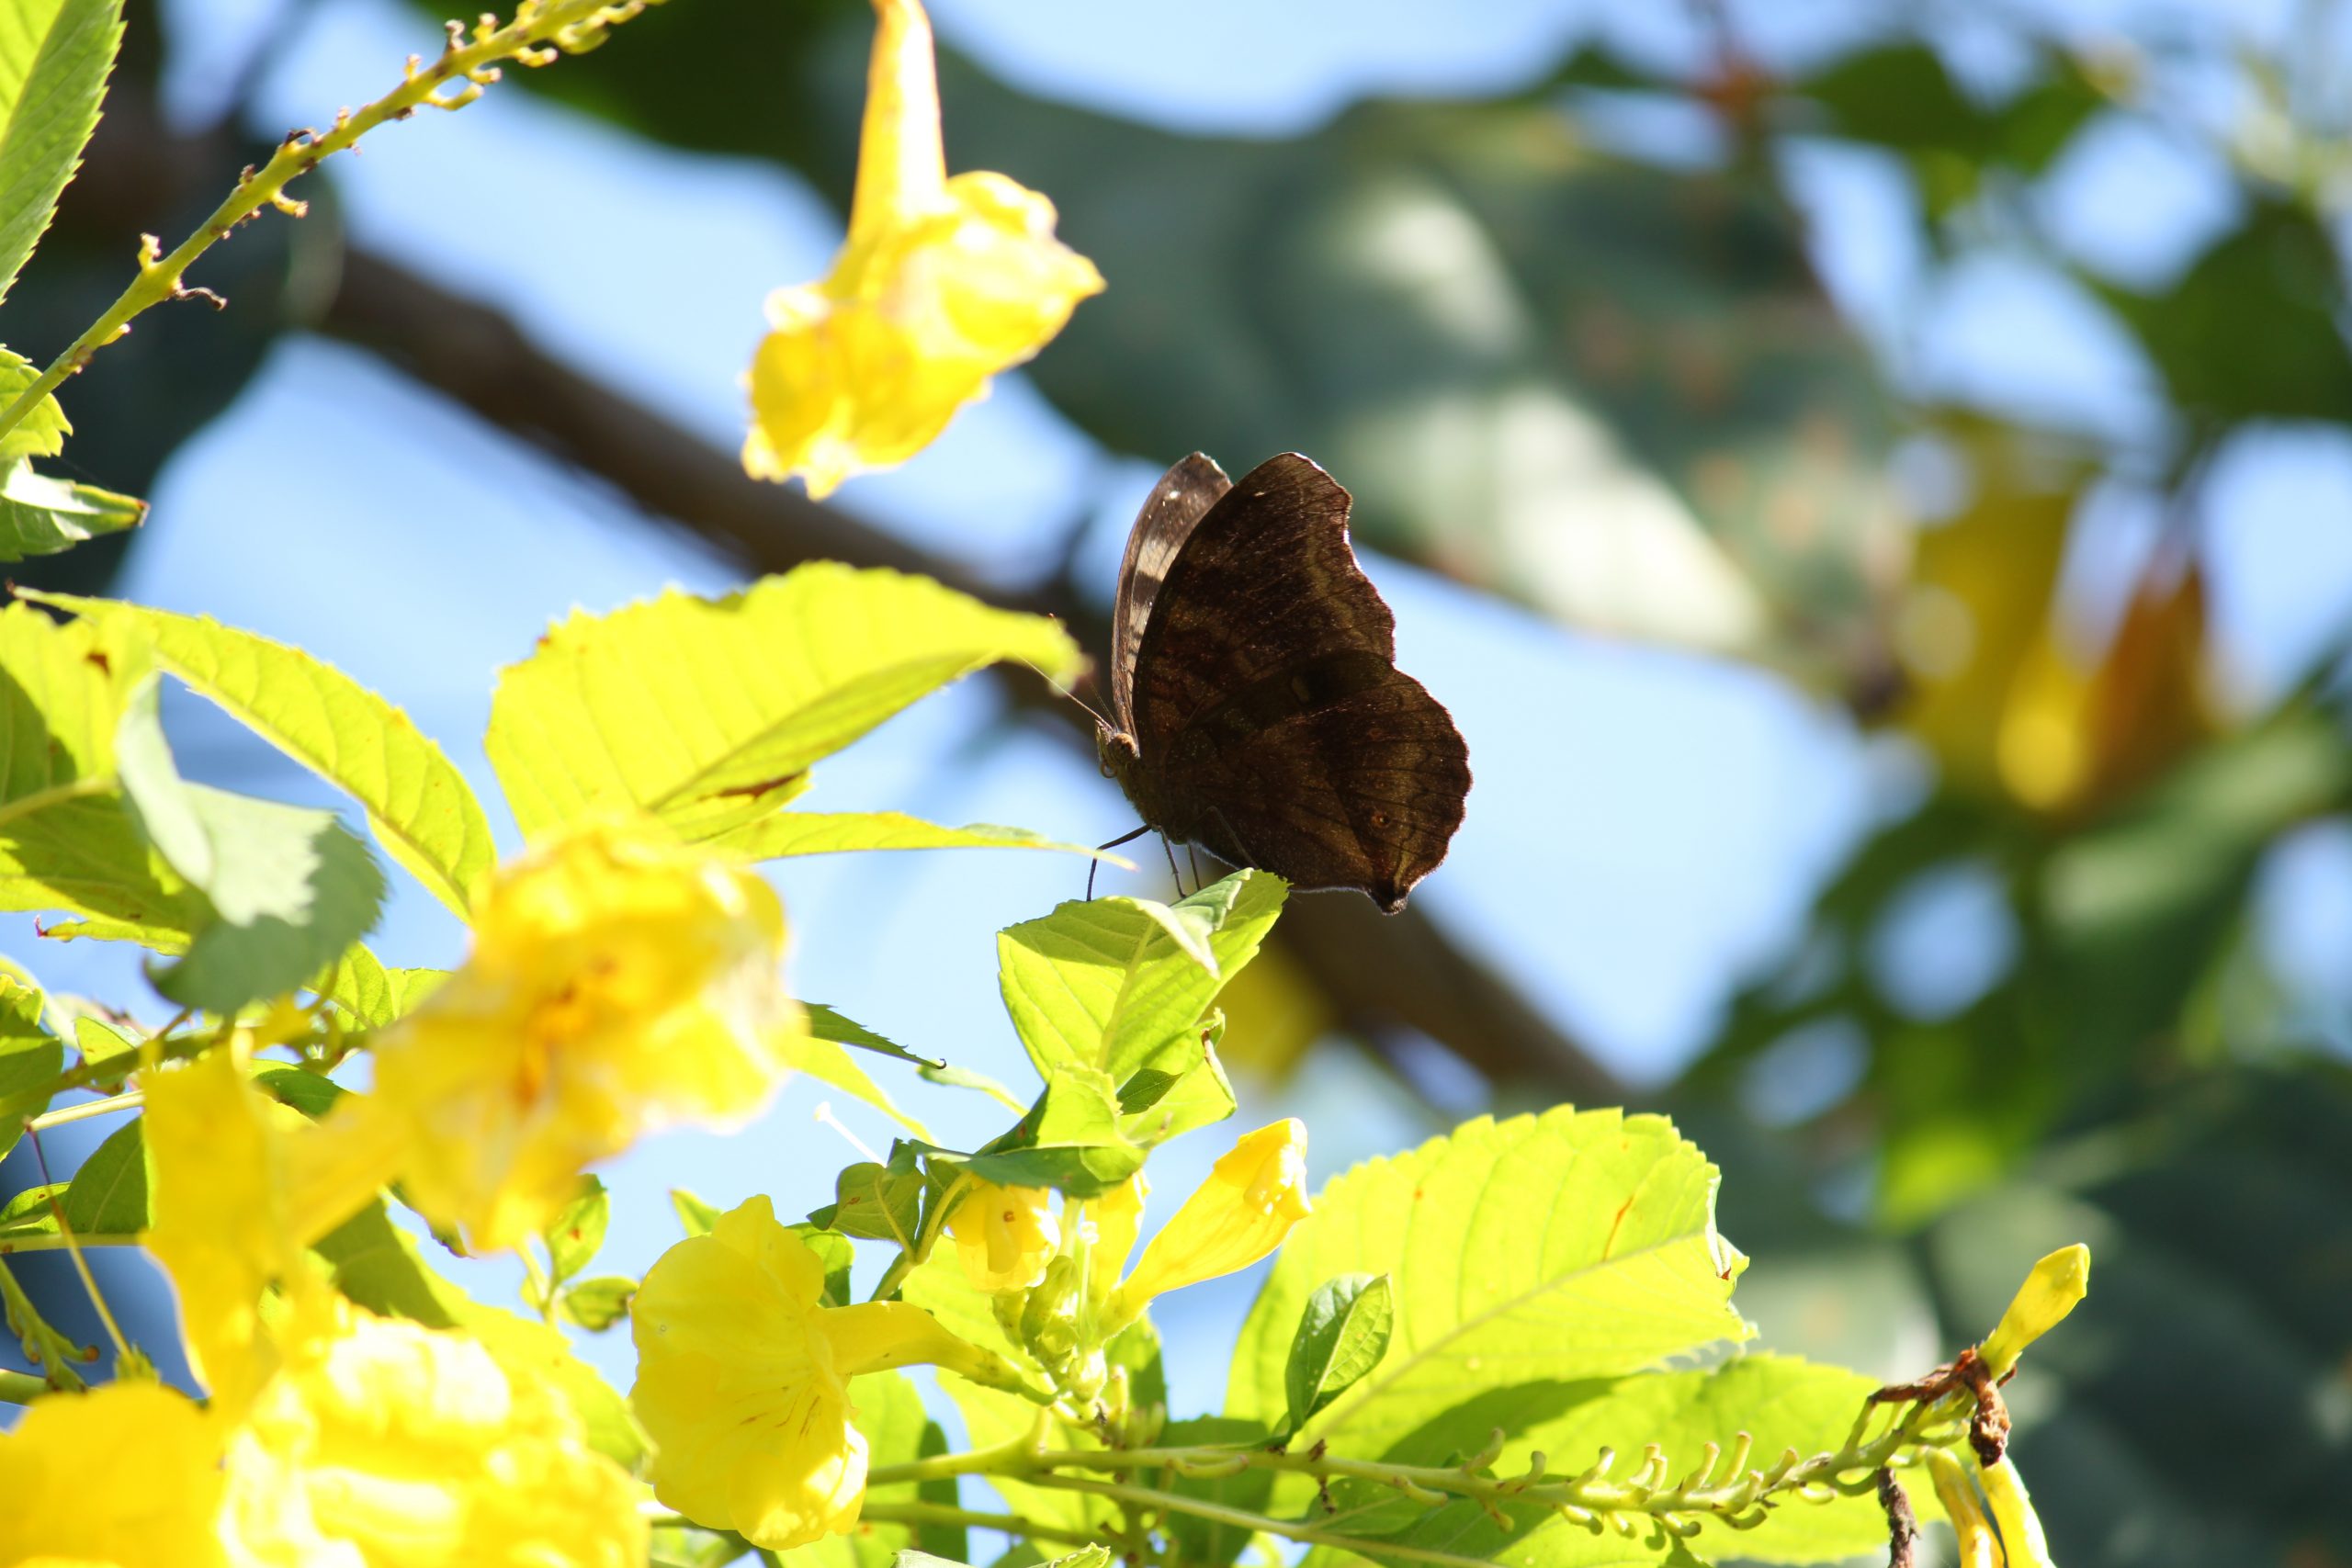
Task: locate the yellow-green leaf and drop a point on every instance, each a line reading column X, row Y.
column 54, row 56
column 837, row 832
column 708, row 712
column 1553, row 1249
column 418, row 805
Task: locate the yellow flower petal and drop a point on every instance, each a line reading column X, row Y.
column 2022, row 1545
column 1251, row 1199
column 1979, row 1547
column 242, row 1184
column 941, row 285
column 620, row 982
column 1004, row 1235
column 2049, row 1294
column 384, row 1441
column 127, row 1476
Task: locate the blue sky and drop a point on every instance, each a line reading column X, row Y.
column 1647, row 826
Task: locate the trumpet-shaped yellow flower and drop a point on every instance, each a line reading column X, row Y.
column 619, row 982
column 742, row 1380
column 1251, row 1199
column 127, row 1477
column 2022, row 1543
column 941, row 284
column 381, row 1441
column 1005, row 1236
column 2049, row 1294
column 1979, row 1547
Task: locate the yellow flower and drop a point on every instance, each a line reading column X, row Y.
column 1251, row 1199
column 1111, row 1222
column 384, row 1441
column 242, row 1184
column 941, row 284
column 2022, row 1543
column 2049, row 1294
column 1979, row 1547
column 619, row 982
column 742, row 1380
column 1005, row 1236
column 127, row 1477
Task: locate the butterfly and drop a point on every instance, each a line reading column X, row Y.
column 1257, row 708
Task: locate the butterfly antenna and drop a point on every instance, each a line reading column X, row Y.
column 1092, row 712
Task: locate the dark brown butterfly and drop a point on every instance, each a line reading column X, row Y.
column 1260, row 711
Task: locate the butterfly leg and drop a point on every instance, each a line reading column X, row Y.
column 1178, row 876
column 1193, row 859
column 1093, row 866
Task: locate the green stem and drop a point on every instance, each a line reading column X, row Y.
column 940, row 1514
column 51, row 1241
column 1243, row 1520
column 535, row 35
column 86, row 1109
column 20, row 1388
column 48, row 1347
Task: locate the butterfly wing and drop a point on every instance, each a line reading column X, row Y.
column 1268, row 708
column 1178, row 502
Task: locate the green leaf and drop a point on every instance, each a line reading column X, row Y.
column 708, row 712
column 1553, row 1249
column 1069, row 1140
column 108, row 1050
column 827, row 1024
column 836, row 1253
column 964, row 1078
column 691, row 1546
column 1781, row 1402
column 695, row 1216
column 597, row 1303
column 30, row 1059
column 108, row 1195
column 417, row 804
column 829, row 833
column 1341, row 1336
column 54, row 56
column 825, row 1060
column 374, row 996
column 40, row 516
column 883, row 1203
column 1121, row 984
column 285, row 890
column 577, row 1231
column 312, row 1094
column 377, row 1264
column 42, row 432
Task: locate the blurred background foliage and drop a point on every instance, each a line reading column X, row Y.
column 1577, row 344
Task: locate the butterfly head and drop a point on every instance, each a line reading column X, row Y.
column 1114, row 750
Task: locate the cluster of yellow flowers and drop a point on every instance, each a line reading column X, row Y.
column 618, row 982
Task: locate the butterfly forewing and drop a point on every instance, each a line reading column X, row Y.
column 1179, row 501
column 1271, row 722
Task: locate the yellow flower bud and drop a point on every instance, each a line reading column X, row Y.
column 2022, row 1543
column 1979, row 1547
column 1005, row 1236
column 1251, row 1199
column 2049, row 1294
column 941, row 284
column 1110, row 1223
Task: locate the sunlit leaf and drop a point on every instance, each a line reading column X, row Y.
column 418, row 805
column 30, row 1059
column 708, row 712
column 827, row 833
column 1121, row 984
column 40, row 516
column 54, row 56
column 1617, row 1268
